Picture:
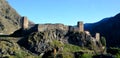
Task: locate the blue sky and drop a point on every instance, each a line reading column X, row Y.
column 67, row 12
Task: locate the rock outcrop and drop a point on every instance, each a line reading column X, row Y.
column 9, row 18
column 41, row 42
column 8, row 47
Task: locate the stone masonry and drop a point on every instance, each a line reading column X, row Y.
column 80, row 26
column 43, row 27
column 24, row 22
column 97, row 36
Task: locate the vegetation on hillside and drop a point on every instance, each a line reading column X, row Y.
column 8, row 18
column 53, row 43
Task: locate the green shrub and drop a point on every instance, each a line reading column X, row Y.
column 114, row 51
column 86, row 56
column 68, row 55
column 103, row 41
column 56, row 43
column 71, row 48
column 117, row 56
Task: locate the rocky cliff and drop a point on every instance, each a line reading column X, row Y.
column 41, row 42
column 9, row 18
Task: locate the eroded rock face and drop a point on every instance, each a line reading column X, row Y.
column 41, row 42
column 8, row 47
column 38, row 43
column 9, row 18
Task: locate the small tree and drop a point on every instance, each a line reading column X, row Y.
column 103, row 41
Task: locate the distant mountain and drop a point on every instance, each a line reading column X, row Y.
column 109, row 28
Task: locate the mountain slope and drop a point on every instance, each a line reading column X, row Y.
column 9, row 18
column 109, row 28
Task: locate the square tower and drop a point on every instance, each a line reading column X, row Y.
column 25, row 22
column 80, row 26
column 97, row 36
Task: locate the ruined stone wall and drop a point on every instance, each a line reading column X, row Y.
column 73, row 28
column 42, row 27
column 70, row 28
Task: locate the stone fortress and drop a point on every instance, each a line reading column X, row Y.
column 42, row 27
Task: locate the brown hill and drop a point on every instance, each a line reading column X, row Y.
column 9, row 18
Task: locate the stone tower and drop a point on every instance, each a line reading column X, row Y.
column 25, row 22
column 80, row 26
column 97, row 36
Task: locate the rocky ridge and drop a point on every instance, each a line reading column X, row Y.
column 41, row 42
column 8, row 18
